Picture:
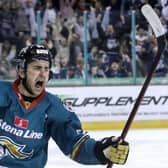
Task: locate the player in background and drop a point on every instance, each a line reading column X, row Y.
column 30, row 116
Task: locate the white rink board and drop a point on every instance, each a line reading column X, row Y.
column 114, row 103
column 148, row 148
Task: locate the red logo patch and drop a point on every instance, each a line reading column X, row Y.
column 19, row 122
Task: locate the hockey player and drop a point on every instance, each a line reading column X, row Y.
column 30, row 116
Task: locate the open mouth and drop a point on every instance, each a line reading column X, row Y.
column 39, row 84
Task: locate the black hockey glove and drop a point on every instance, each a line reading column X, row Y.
column 111, row 149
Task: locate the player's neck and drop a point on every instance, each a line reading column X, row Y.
column 24, row 91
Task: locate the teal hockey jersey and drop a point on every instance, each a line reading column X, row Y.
column 24, row 133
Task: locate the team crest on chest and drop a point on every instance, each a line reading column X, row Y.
column 9, row 148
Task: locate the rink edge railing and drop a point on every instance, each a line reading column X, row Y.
column 118, row 125
column 106, row 81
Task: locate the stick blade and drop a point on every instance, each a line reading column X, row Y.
column 153, row 20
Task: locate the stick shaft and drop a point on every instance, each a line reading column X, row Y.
column 157, row 27
column 161, row 45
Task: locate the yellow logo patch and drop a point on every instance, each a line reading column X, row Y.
column 14, row 149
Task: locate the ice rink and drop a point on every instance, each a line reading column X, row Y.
column 148, row 149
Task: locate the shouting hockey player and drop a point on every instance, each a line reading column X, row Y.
column 30, row 116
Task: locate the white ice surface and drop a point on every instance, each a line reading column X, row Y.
column 148, row 149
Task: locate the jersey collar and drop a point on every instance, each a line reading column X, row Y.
column 35, row 101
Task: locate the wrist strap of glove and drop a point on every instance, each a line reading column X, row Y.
column 99, row 153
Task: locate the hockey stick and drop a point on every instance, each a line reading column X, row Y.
column 158, row 30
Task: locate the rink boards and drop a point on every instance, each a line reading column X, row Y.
column 108, row 107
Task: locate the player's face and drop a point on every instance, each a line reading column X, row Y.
column 36, row 78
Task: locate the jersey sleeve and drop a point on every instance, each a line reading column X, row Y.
column 67, row 132
column 5, row 89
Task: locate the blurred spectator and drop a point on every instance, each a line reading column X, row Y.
column 48, row 21
column 79, row 71
column 164, row 10
column 66, row 8
column 71, row 72
column 7, row 53
column 161, row 69
column 98, row 66
column 75, row 47
column 95, row 72
column 3, row 70
column 146, row 50
column 114, row 12
column 63, row 32
column 49, row 43
column 115, row 70
column 21, row 21
column 78, row 29
column 141, row 37
column 111, row 40
column 30, row 13
column 1, row 14
column 23, row 2
column 102, row 62
column 7, row 22
column 95, row 27
column 111, row 44
column 98, row 6
column 93, row 55
column 126, row 65
column 64, row 69
column 55, row 71
column 83, row 5
column 22, row 41
column 62, row 51
column 126, row 60
column 126, row 11
column 11, row 55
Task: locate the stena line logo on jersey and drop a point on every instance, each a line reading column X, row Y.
column 28, row 134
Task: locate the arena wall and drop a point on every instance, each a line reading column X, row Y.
column 108, row 107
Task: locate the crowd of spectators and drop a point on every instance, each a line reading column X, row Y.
column 62, row 31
